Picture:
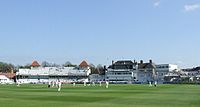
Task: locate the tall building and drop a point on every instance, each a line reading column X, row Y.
column 126, row 71
column 121, row 71
column 38, row 74
column 146, row 72
column 164, row 69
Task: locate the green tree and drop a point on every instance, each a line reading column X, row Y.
column 69, row 64
column 93, row 69
column 45, row 64
column 6, row 68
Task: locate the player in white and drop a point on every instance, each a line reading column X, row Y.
column 74, row 84
column 59, row 85
column 84, row 83
column 155, row 83
column 150, row 85
column 53, row 83
column 49, row 85
column 100, row 83
column 107, row 83
column 93, row 83
column 18, row 83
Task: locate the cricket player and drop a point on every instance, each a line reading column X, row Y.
column 150, row 85
column 74, row 84
column 59, row 85
column 53, row 83
column 84, row 83
column 93, row 83
column 57, row 81
column 49, row 85
column 155, row 83
column 100, row 83
column 18, row 83
column 107, row 83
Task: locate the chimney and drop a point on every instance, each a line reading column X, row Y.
column 141, row 61
column 104, row 68
column 150, row 61
column 112, row 62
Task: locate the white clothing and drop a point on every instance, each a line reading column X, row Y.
column 59, row 86
column 84, row 83
column 107, row 83
column 100, row 83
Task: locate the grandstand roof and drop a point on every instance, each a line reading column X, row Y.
column 35, row 64
column 83, row 64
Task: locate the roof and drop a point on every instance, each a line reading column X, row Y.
column 125, row 62
column 83, row 64
column 35, row 64
column 8, row 75
column 55, row 71
column 146, row 65
column 192, row 69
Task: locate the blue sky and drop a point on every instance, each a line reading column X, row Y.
column 100, row 31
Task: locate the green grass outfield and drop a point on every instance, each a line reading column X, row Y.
column 115, row 96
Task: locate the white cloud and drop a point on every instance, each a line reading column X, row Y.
column 191, row 7
column 156, row 3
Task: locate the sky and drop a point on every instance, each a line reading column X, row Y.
column 99, row 31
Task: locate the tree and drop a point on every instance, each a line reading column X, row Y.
column 92, row 65
column 45, row 64
column 27, row 66
column 99, row 66
column 100, row 69
column 54, row 65
column 69, row 64
column 93, row 68
column 6, row 68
